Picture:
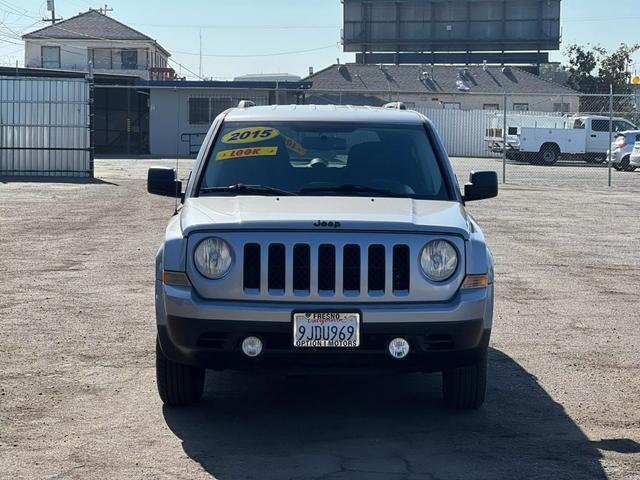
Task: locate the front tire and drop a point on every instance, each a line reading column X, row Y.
column 465, row 387
column 178, row 384
column 625, row 165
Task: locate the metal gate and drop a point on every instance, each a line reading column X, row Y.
column 45, row 127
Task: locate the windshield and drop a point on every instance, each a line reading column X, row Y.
column 322, row 158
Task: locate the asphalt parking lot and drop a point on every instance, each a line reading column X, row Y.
column 77, row 384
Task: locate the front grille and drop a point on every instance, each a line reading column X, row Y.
column 376, row 269
column 301, row 268
column 351, row 268
column 277, row 268
column 325, row 269
column 251, row 266
column 401, row 269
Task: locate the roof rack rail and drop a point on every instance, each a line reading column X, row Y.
column 246, row 104
column 395, row 106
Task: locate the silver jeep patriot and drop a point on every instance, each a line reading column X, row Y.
column 317, row 238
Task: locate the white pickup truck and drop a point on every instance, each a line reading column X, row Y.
column 584, row 138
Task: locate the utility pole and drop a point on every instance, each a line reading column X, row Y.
column 200, row 71
column 51, row 7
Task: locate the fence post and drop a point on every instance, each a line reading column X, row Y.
column 504, row 140
column 610, row 162
column 92, row 110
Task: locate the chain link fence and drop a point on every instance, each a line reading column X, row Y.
column 537, row 139
column 534, row 138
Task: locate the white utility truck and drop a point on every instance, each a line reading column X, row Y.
column 577, row 138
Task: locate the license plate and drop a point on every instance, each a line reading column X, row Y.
column 322, row 330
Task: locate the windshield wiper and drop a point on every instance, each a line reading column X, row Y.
column 241, row 188
column 352, row 189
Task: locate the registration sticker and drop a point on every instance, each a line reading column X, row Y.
column 250, row 135
column 247, row 152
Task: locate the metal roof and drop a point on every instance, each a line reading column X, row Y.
column 238, row 84
column 323, row 113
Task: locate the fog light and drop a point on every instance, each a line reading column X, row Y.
column 252, row 346
column 399, row 348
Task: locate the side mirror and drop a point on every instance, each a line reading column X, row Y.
column 482, row 185
column 162, row 181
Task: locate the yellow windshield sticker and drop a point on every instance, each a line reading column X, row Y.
column 247, row 152
column 294, row 146
column 250, row 135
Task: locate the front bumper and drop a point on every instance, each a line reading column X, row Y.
column 209, row 334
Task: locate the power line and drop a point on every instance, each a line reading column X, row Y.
column 240, row 27
column 278, row 54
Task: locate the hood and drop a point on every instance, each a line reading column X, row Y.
column 311, row 213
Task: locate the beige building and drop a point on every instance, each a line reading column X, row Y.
column 94, row 38
column 448, row 87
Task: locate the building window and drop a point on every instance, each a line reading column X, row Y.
column 204, row 110
column 102, row 58
column 491, row 106
column 129, row 59
column 451, row 105
column 521, row 107
column 50, row 57
column 199, row 111
column 561, row 107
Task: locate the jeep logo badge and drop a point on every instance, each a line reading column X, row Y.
column 324, row 224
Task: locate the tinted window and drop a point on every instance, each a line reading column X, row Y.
column 600, row 125
column 622, row 126
column 295, row 156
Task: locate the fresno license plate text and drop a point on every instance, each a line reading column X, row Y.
column 326, row 330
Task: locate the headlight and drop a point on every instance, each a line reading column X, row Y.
column 213, row 258
column 439, row 260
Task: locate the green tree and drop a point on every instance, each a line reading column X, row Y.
column 614, row 67
column 592, row 69
column 582, row 64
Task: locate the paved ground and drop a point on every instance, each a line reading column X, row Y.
column 77, row 387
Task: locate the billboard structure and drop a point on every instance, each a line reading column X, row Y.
column 451, row 31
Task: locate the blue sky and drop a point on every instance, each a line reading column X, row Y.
column 231, row 28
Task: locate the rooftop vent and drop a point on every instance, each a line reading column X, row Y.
column 461, row 86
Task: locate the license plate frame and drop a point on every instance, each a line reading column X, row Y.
column 322, row 333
